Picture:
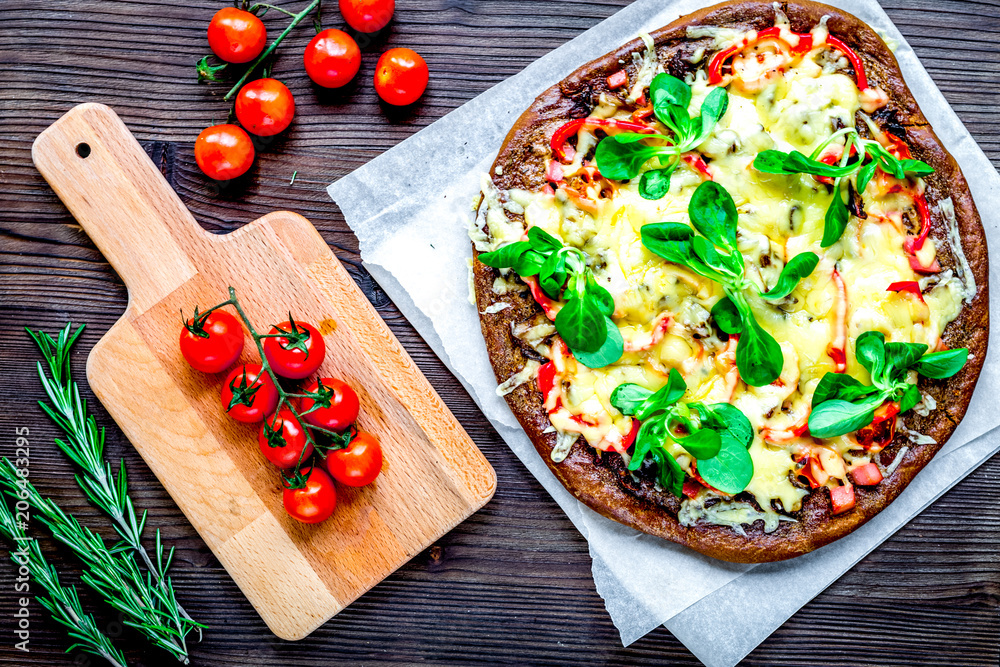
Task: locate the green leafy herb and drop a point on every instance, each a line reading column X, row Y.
column 714, row 255
column 842, row 404
column 837, row 215
column 716, row 435
column 622, row 157
column 584, row 321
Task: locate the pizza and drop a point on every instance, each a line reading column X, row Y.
column 731, row 284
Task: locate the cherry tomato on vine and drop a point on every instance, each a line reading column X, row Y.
column 282, row 440
column 297, row 353
column 315, row 501
column 338, row 403
column 401, row 76
column 367, row 15
column 223, row 152
column 359, row 463
column 212, row 343
column 332, row 58
column 248, row 394
column 265, row 107
column 236, row 36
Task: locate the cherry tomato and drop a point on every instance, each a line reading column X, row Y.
column 332, row 58
column 315, row 501
column 357, row 464
column 215, row 344
column 401, row 76
column 236, row 36
column 338, row 408
column 265, row 107
column 282, row 439
column 298, row 353
column 367, row 15
column 223, row 152
column 248, row 394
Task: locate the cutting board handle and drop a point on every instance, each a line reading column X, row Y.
column 120, row 198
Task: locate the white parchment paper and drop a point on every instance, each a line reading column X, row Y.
column 409, row 208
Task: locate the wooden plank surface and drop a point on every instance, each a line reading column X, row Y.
column 513, row 582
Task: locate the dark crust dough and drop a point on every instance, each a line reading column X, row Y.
column 599, row 480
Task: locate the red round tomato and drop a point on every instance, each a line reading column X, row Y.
column 223, row 152
column 315, row 501
column 214, row 344
column 401, row 76
column 282, row 440
column 265, row 107
column 367, row 15
column 236, row 36
column 332, row 58
column 357, row 464
column 297, row 353
column 248, row 394
column 338, row 405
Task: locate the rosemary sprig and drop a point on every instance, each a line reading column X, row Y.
column 85, row 447
column 62, row 602
column 112, row 572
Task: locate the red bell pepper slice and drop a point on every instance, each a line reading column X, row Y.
column 562, row 135
column 882, row 430
column 618, row 79
column 805, row 44
column 842, row 498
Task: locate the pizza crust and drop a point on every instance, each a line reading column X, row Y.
column 600, row 480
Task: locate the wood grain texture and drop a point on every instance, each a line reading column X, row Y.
column 296, row 576
column 512, row 584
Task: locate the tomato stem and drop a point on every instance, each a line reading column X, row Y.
column 269, row 50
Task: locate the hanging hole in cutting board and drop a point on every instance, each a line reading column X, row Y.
column 83, row 149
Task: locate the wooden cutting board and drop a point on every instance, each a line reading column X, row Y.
column 296, row 576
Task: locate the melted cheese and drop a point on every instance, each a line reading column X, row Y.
column 659, row 306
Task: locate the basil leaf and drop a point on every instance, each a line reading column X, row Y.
column 776, row 162
column 865, row 175
column 655, row 184
column 910, row 398
column 602, row 297
column 734, row 425
column 916, row 167
column 796, row 269
column 726, row 317
column 608, row 353
column 664, row 398
column 623, row 160
column 582, row 325
column 731, row 470
column 869, row 348
column 552, row 274
column 892, row 165
column 669, row 240
column 651, row 436
column 758, row 355
column 836, row 218
column 712, row 110
column 632, row 137
column 840, row 386
column 944, row 364
column 900, row 356
column 703, row 443
column 671, row 473
column 542, row 241
column 528, row 264
column 712, row 258
column 832, row 418
column 506, row 256
column 628, row 397
column 666, row 91
column 713, row 213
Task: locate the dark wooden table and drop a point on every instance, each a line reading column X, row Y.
column 513, row 583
